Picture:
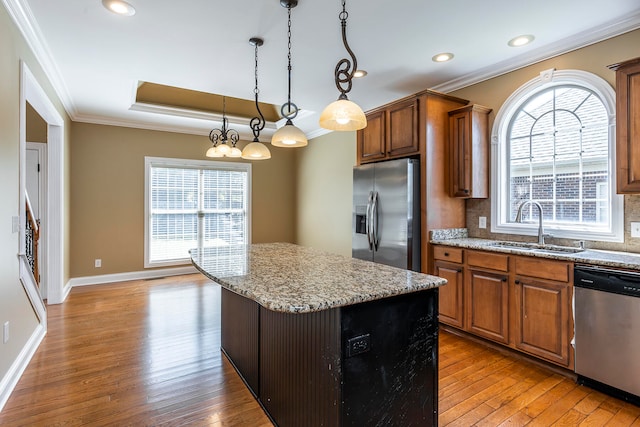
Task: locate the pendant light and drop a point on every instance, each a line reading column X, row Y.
column 256, row 150
column 220, row 137
column 289, row 135
column 344, row 115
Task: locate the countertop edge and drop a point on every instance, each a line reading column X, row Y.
column 603, row 258
column 284, row 305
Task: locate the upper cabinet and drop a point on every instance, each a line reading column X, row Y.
column 628, row 125
column 469, row 152
column 392, row 131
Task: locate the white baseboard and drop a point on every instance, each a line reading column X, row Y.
column 17, row 368
column 124, row 277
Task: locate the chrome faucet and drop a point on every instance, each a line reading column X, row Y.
column 541, row 233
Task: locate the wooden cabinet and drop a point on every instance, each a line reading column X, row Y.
column 392, row 131
column 448, row 264
column 523, row 302
column 542, row 309
column 628, row 125
column 487, row 296
column 469, row 152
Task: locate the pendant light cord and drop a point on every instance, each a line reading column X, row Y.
column 345, row 68
column 257, row 123
column 292, row 109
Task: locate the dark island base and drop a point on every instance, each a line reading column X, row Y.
column 371, row 364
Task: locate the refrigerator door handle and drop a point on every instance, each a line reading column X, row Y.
column 374, row 220
column 369, row 225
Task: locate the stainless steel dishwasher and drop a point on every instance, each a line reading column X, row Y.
column 607, row 330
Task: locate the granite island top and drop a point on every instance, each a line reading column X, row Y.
column 458, row 238
column 290, row 278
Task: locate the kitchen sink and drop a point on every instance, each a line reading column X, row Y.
column 535, row 247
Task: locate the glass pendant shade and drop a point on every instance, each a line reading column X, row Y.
column 234, row 152
column 343, row 115
column 213, row 152
column 289, row 136
column 256, row 151
column 223, row 149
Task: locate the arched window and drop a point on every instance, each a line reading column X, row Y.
column 553, row 142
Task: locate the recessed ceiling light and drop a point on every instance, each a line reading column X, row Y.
column 442, row 57
column 521, row 40
column 359, row 73
column 120, row 7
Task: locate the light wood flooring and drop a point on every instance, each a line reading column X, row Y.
column 146, row 353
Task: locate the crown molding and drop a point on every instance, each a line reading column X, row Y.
column 193, row 114
column 22, row 16
column 580, row 40
column 162, row 127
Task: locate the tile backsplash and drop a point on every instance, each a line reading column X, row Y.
column 482, row 207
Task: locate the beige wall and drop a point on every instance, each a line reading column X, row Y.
column 324, row 203
column 14, row 305
column 492, row 93
column 107, row 195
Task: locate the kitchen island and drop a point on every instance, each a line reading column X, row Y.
column 323, row 339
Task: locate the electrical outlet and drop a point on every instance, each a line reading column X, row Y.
column 98, row 263
column 5, row 332
column 358, row 345
column 482, row 222
column 635, row 229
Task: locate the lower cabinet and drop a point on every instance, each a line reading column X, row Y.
column 518, row 301
column 488, row 305
column 451, row 296
column 542, row 304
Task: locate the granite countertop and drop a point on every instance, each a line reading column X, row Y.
column 458, row 238
column 289, row 278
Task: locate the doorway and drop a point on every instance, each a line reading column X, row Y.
column 36, row 191
column 32, row 96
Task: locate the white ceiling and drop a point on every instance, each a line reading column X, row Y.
column 95, row 58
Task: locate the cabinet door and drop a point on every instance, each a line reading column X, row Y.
column 371, row 139
column 487, row 302
column 542, row 318
column 628, row 126
column 451, row 295
column 460, row 154
column 402, row 130
column 469, row 152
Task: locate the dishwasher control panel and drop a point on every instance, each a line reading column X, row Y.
column 608, row 280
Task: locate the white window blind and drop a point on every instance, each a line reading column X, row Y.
column 192, row 203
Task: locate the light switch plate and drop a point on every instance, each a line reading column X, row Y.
column 635, row 229
column 482, row 222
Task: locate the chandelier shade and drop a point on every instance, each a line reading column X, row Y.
column 343, row 115
column 289, row 136
column 256, row 151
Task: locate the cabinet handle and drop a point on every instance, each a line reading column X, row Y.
column 465, row 191
column 517, row 282
column 446, row 254
column 459, row 270
column 504, row 279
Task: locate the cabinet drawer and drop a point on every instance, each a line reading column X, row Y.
column 489, row 260
column 543, row 268
column 447, row 253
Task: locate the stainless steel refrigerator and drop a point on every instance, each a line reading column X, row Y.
column 386, row 213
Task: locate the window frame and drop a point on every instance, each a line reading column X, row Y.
column 500, row 161
column 150, row 162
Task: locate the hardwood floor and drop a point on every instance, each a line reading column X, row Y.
column 147, row 353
